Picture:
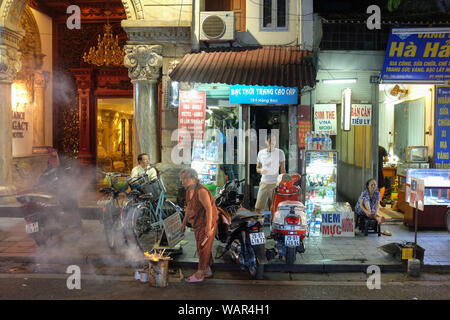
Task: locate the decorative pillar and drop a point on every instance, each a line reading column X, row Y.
column 85, row 101
column 9, row 66
column 144, row 64
column 40, row 83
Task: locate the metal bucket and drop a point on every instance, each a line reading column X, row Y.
column 158, row 272
column 414, row 267
column 144, row 276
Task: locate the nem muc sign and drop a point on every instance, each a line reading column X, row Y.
column 417, row 54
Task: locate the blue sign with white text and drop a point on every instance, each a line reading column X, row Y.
column 441, row 148
column 417, row 54
column 242, row 94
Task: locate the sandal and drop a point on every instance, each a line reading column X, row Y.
column 386, row 233
column 193, row 278
column 208, row 273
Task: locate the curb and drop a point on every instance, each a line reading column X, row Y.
column 296, row 268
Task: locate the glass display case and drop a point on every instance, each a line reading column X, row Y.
column 402, row 167
column 320, row 168
column 436, row 197
column 205, row 160
column 437, row 185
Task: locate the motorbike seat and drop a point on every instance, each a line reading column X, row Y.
column 243, row 215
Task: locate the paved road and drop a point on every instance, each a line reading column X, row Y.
column 28, row 281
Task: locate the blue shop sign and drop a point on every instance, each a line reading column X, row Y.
column 417, row 54
column 441, row 153
column 242, row 94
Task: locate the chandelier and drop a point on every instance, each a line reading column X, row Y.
column 108, row 52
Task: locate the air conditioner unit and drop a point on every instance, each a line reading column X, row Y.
column 217, row 25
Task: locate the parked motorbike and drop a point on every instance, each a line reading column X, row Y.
column 52, row 209
column 240, row 230
column 289, row 220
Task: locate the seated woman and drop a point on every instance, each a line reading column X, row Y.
column 369, row 202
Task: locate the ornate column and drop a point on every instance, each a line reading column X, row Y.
column 83, row 78
column 9, row 66
column 144, row 64
column 40, row 83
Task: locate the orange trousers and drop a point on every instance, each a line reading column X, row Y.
column 205, row 258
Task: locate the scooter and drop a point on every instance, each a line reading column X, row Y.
column 289, row 220
column 240, row 231
column 52, row 210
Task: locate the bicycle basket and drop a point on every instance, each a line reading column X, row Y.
column 118, row 182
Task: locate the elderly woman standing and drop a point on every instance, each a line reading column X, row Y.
column 369, row 202
column 202, row 214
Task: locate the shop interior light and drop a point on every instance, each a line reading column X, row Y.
column 346, row 108
column 336, row 81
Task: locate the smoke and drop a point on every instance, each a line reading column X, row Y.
column 64, row 88
column 76, row 241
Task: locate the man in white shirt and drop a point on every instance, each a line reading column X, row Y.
column 143, row 165
column 269, row 163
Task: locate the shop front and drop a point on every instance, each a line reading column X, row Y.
column 414, row 98
column 249, row 93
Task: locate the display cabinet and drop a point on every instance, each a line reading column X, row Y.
column 436, row 197
column 320, row 168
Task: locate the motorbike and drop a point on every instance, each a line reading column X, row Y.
column 288, row 220
column 51, row 210
column 240, row 230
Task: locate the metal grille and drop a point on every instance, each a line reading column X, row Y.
column 213, row 27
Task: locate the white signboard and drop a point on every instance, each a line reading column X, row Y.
column 22, row 131
column 417, row 193
column 338, row 224
column 325, row 118
column 361, row 114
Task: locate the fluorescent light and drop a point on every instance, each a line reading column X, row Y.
column 346, row 108
column 334, row 81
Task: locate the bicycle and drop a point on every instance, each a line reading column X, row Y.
column 112, row 207
column 145, row 216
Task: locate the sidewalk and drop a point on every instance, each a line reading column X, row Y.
column 322, row 254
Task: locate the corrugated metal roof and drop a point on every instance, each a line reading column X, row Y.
column 264, row 66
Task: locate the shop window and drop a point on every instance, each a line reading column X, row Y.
column 274, row 14
column 408, row 126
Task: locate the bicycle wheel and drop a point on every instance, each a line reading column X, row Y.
column 145, row 227
column 108, row 224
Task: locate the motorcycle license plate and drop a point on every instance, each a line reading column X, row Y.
column 257, row 238
column 292, row 241
column 31, row 227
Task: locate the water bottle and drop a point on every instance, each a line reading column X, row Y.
column 307, row 140
column 330, row 143
column 314, row 141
